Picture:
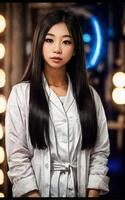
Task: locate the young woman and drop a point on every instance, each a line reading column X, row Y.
column 57, row 140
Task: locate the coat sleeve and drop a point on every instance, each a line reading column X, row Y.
column 98, row 178
column 20, row 170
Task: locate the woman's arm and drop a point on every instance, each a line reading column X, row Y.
column 98, row 168
column 93, row 193
column 34, row 193
column 18, row 154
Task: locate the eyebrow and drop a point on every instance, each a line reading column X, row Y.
column 62, row 36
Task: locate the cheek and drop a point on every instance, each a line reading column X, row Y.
column 69, row 51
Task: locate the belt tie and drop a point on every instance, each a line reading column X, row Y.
column 67, row 178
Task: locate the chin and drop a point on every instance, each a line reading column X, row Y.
column 56, row 66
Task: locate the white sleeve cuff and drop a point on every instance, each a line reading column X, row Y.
column 23, row 186
column 99, row 182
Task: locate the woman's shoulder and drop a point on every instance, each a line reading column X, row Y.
column 21, row 85
column 19, row 92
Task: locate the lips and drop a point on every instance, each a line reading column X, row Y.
column 56, row 58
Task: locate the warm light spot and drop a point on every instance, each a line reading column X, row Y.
column 2, row 23
column 2, row 104
column 1, row 177
column 2, row 78
column 2, row 154
column 1, row 131
column 118, row 95
column 2, row 194
column 2, row 50
column 119, row 79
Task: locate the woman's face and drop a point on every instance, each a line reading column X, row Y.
column 58, row 46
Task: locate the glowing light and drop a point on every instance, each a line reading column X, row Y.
column 2, row 194
column 98, row 42
column 2, row 154
column 1, row 131
column 2, row 78
column 119, row 79
column 86, row 37
column 1, row 177
column 2, row 51
column 118, row 95
column 2, row 23
column 2, row 103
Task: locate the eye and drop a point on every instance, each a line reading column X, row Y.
column 48, row 40
column 67, row 42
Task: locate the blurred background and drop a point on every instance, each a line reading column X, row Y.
column 104, row 38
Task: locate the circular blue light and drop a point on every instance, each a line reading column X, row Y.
column 96, row 49
column 86, row 37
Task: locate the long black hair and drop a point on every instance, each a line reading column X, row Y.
column 38, row 105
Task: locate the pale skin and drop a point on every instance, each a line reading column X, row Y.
column 58, row 43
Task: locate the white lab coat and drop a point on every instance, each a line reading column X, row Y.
column 30, row 168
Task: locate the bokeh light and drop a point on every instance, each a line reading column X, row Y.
column 2, row 78
column 2, row 103
column 2, row 51
column 119, row 79
column 2, row 23
column 1, row 131
column 2, row 154
column 118, row 95
column 1, row 177
column 1, row 194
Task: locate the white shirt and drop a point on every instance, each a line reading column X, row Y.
column 30, row 168
column 64, row 149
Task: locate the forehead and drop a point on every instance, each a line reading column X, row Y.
column 59, row 29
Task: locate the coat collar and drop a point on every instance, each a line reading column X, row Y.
column 69, row 98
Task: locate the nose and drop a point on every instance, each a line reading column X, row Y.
column 57, row 48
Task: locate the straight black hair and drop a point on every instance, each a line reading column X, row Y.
column 38, row 104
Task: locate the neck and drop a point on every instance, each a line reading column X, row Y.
column 56, row 77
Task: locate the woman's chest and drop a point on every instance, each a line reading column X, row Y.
column 60, row 91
